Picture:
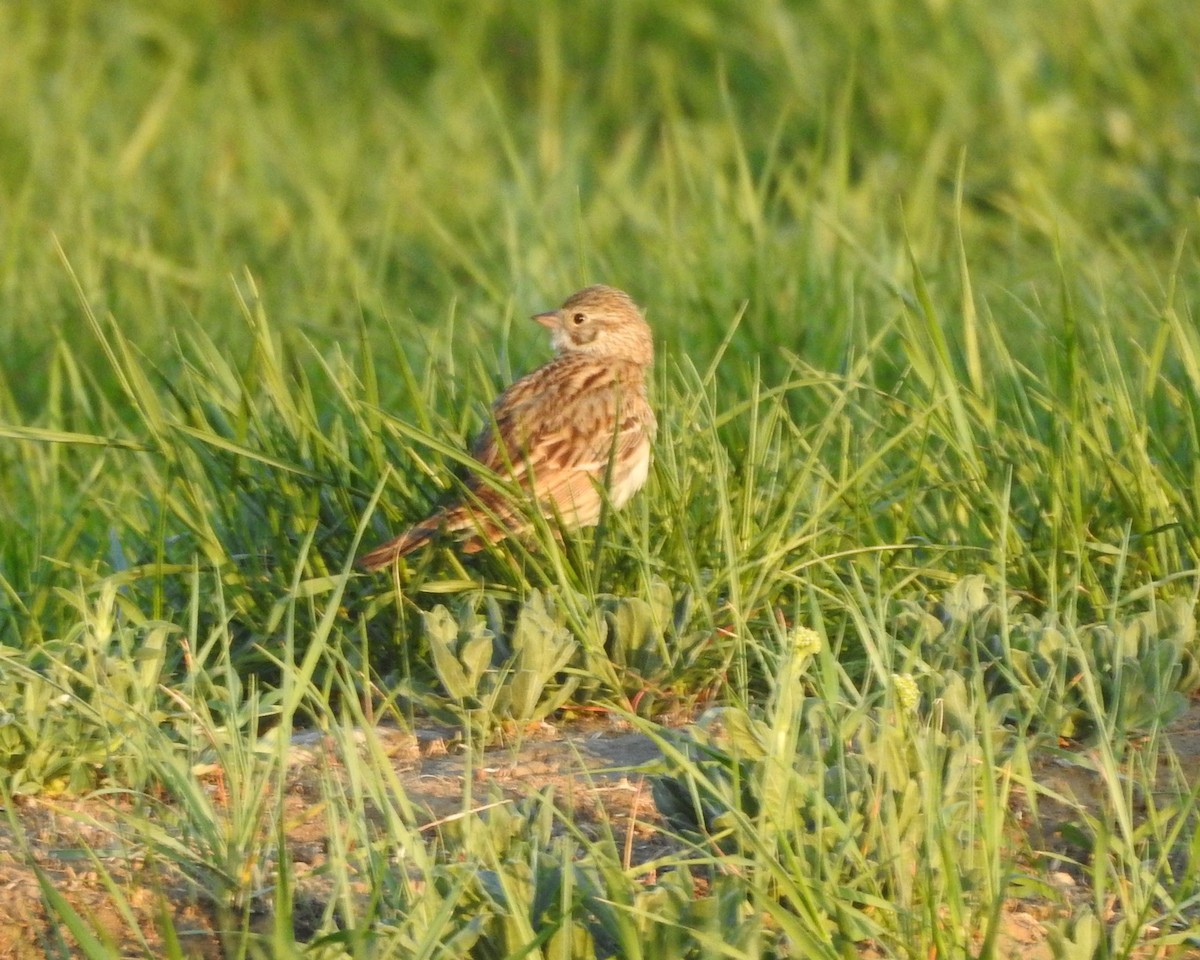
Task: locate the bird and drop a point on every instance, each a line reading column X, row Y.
column 576, row 425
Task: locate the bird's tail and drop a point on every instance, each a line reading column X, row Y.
column 475, row 525
column 411, row 539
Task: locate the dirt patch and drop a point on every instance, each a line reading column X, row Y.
column 71, row 849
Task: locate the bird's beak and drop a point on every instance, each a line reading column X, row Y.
column 549, row 319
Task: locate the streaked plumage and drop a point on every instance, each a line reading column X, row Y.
column 577, row 422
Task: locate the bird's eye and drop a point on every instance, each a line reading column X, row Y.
column 578, row 318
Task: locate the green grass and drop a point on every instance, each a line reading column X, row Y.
column 923, row 281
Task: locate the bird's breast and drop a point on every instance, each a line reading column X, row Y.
column 630, row 481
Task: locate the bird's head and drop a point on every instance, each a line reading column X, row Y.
column 602, row 321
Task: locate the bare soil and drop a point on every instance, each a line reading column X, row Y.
column 76, row 847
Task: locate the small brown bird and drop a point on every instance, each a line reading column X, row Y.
column 574, row 425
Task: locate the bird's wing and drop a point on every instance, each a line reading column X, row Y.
column 561, row 425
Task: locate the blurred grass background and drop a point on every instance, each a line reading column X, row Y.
column 375, row 157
